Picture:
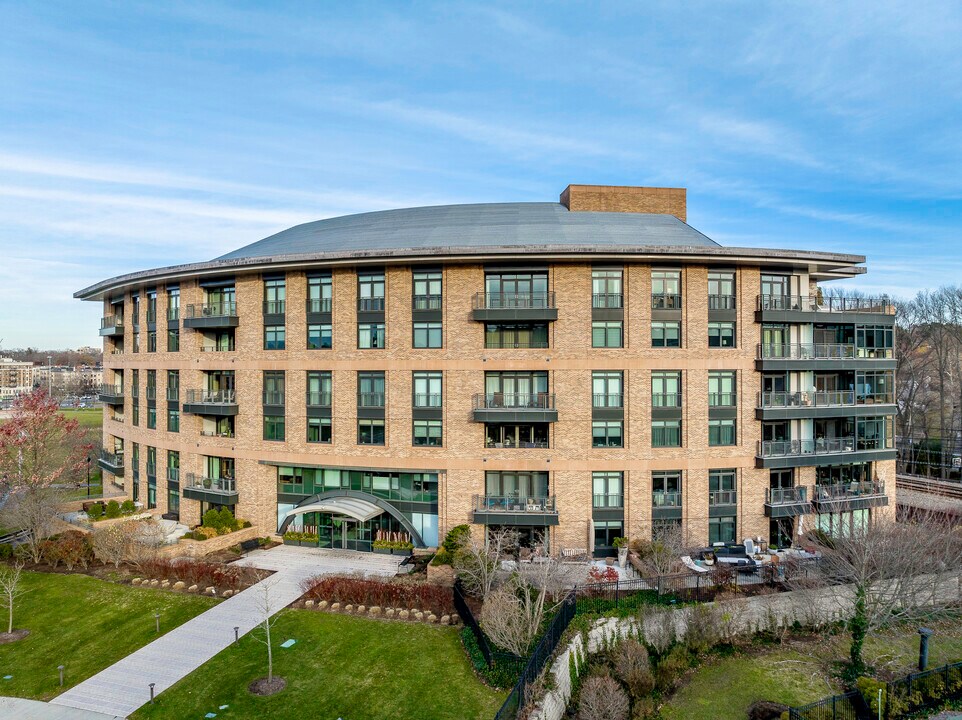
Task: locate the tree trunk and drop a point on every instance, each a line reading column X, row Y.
column 10, row 623
column 858, row 626
column 270, row 653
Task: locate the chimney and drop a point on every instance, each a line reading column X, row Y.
column 619, row 198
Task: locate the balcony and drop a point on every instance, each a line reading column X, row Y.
column 318, row 399
column 222, row 491
column 211, row 315
column 665, row 301
column 111, row 394
column 787, row 502
column 509, row 306
column 811, row 308
column 426, row 302
column 722, row 302
column 317, row 306
column 370, row 400
column 370, row 305
column 427, row 401
column 514, row 408
column 513, row 510
column 112, row 462
column 822, row 356
column 607, row 301
column 112, row 326
column 849, row 496
column 210, row 402
column 722, row 498
column 274, row 398
column 824, row 451
column 820, row 403
column 666, row 505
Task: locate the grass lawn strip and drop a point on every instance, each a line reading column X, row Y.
column 340, row 666
column 85, row 624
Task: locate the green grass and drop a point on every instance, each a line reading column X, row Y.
column 90, row 418
column 85, row 624
column 340, row 666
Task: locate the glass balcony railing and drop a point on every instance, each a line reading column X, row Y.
column 426, row 302
column 671, row 499
column 275, row 307
column 822, row 446
column 514, row 504
column 371, row 304
column 514, row 301
column 814, row 303
column 607, row 400
column 721, row 302
column 841, row 491
column 211, row 310
column 665, row 301
column 669, row 400
column 211, row 397
column 514, row 401
column 428, row 400
column 722, row 497
column 226, row 485
column 725, row 399
column 370, row 400
column 608, row 501
column 786, row 496
column 274, row 397
column 806, row 351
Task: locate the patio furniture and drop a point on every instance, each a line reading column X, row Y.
column 574, row 554
column 692, row 565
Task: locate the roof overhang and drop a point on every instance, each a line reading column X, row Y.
column 820, row 265
column 352, row 507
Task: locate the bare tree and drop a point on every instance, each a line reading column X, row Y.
column 662, row 555
column 478, row 561
column 110, row 543
column 886, row 572
column 144, row 540
column 602, row 698
column 11, row 590
column 267, row 619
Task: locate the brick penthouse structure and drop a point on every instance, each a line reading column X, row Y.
column 586, row 369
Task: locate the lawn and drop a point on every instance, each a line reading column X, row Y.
column 85, row 624
column 800, row 672
column 91, row 418
column 340, row 667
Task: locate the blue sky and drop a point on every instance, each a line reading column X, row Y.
column 134, row 135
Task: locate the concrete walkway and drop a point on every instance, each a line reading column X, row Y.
column 11, row 707
column 124, row 686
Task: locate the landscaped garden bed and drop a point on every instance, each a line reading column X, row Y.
column 393, row 599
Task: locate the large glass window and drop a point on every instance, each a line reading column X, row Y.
column 275, row 296
column 370, row 292
column 666, row 334
column 173, row 385
column 666, row 388
column 173, row 420
column 721, row 487
column 521, row 289
column 665, row 433
column 370, row 389
column 874, row 341
column 427, row 335
column 319, row 388
column 721, row 388
column 721, row 432
column 427, row 433
column 370, row 336
column 151, row 417
column 721, row 529
column 274, row 427
column 173, row 303
column 666, row 289
column 606, row 335
column 607, row 388
column 151, row 341
column 275, row 337
column 607, row 433
column 606, row 288
column 606, row 488
column 274, row 387
column 605, row 533
column 319, row 430
column 370, row 431
column 516, row 389
column 497, row 435
column 721, row 290
column 173, row 340
column 427, row 389
column 522, row 335
column 666, row 488
column 427, row 290
column 319, row 293
column 721, row 334
column 319, row 336
column 516, row 484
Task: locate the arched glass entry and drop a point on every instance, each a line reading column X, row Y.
column 339, row 531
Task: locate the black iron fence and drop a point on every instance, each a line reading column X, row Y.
column 849, row 706
column 464, row 610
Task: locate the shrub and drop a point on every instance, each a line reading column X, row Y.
column 359, row 591
column 602, row 698
column 703, row 628
column 6, row 551
column 672, row 668
column 441, row 557
column 95, row 512
column 456, row 537
column 643, row 709
column 49, row 552
column 127, row 507
column 598, row 575
column 222, row 520
column 632, row 666
column 112, row 510
column 74, row 548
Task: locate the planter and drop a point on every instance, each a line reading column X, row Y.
column 622, row 556
column 405, row 553
column 291, row 542
column 609, row 561
column 307, row 543
column 383, row 551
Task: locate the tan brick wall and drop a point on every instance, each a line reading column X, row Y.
column 463, row 460
column 615, row 198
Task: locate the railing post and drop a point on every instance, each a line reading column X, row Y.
column 617, row 594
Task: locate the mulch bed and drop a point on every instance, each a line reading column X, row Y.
column 262, row 687
column 7, row 638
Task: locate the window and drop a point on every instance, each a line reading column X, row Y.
column 135, row 412
column 136, row 343
column 666, row 488
column 370, row 335
column 516, row 484
column 319, row 337
column 151, row 478
column 526, row 335
column 370, row 431
column 721, row 388
column 517, row 290
column 275, row 337
column 173, row 385
column 173, row 340
column 721, row 334
column 319, row 388
column 607, row 433
column 874, row 341
column 721, row 487
column 151, row 417
column 427, row 389
column 427, row 334
column 666, row 334
column 844, row 524
column 274, row 427
column 498, row 435
column 606, row 289
column 721, row 290
column 151, row 341
column 319, row 294
column 605, row 533
column 151, row 384
column 173, row 465
column 721, row 432
column 665, row 433
column 721, row 529
column 874, row 386
column 517, row 389
column 370, row 292
column 666, row 389
column 606, row 488
column 606, row 334
column 173, row 304
column 319, row 430
column 427, row 290
column 427, row 433
column 370, row 389
column 666, row 289
column 274, row 387
column 151, row 306
column 606, row 389
column 173, row 420
column 275, row 296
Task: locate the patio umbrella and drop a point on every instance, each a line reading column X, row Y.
column 591, row 538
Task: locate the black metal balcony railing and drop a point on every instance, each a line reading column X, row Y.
column 318, row 399
column 843, row 491
column 112, row 390
column 275, row 307
column 372, row 304
column 173, row 394
column 217, row 348
column 608, row 501
column 514, row 504
column 370, row 400
column 723, row 399
column 514, row 301
column 670, row 400
column 514, row 401
column 786, row 496
column 823, row 446
column 112, row 459
column 211, row 397
column 493, row 342
column 426, row 302
column 607, row 400
column 665, row 301
column 607, row 301
column 721, row 302
column 211, row 310
column 151, row 392
column 151, row 470
column 806, row 351
column 813, row 303
column 428, row 400
column 523, row 444
column 666, row 499
column 722, row 497
column 217, row 433
column 274, row 397
column 173, row 474
column 319, row 305
column 111, row 321
column 173, row 313
column 222, row 485
column 151, row 315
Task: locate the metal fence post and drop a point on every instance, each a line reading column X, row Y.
column 617, row 594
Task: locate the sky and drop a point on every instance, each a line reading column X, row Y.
column 140, row 134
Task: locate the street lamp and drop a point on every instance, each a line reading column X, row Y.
column 88, row 477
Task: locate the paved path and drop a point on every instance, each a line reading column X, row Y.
column 123, row 687
column 21, row 709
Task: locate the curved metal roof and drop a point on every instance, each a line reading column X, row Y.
column 476, row 226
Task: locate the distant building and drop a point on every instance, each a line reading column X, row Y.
column 16, row 377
